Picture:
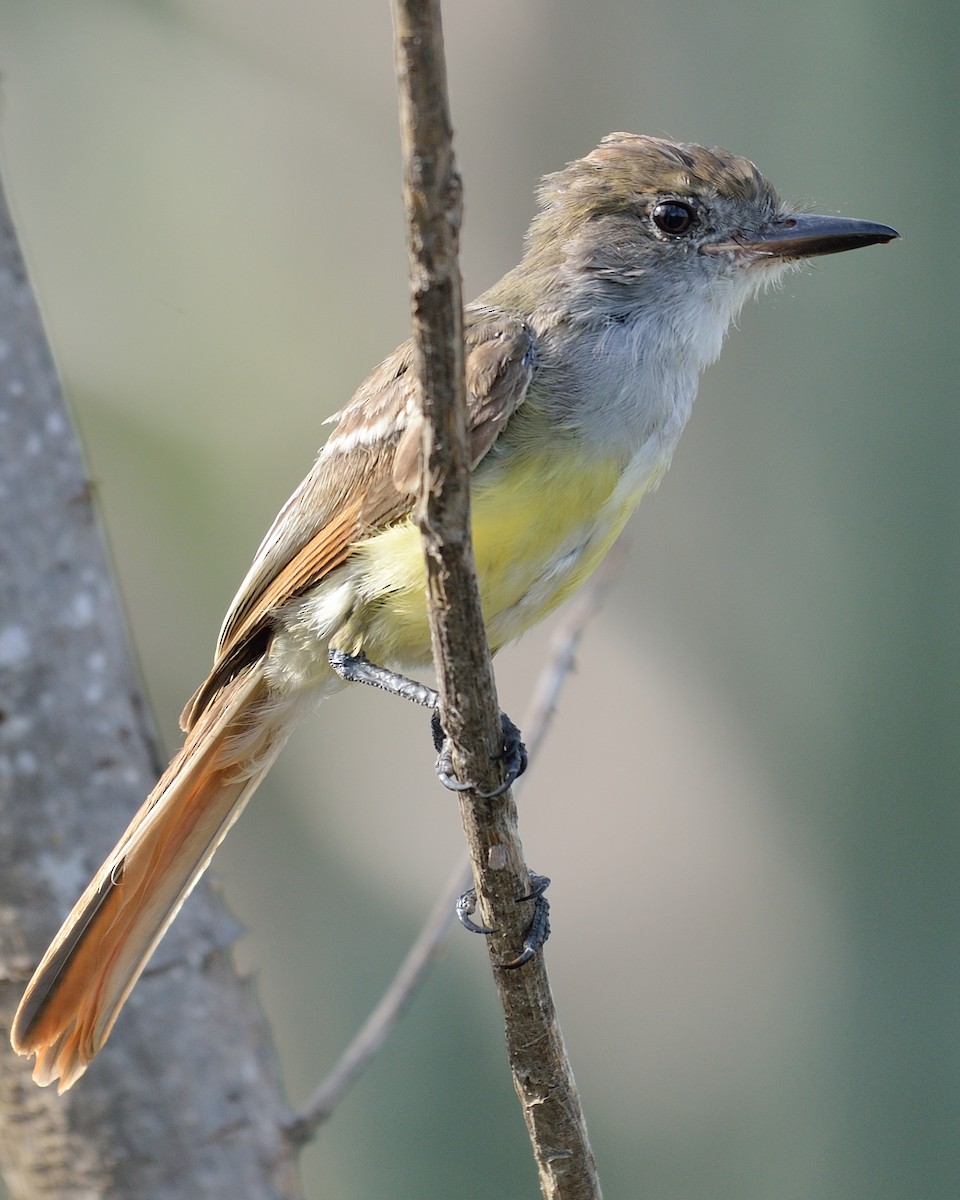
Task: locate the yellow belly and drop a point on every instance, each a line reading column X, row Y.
column 541, row 523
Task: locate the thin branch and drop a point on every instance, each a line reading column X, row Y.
column 384, row 1017
column 423, row 953
column 469, row 709
column 563, row 650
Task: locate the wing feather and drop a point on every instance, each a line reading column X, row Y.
column 364, row 479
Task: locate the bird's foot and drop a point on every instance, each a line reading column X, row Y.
column 514, row 755
column 538, row 930
column 357, row 668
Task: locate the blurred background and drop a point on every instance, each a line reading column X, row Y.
column 748, row 802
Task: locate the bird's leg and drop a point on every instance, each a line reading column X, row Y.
column 357, row 668
column 538, row 930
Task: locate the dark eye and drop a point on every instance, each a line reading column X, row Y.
column 673, row 216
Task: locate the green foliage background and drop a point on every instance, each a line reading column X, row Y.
column 749, row 802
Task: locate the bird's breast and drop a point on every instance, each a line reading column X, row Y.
column 542, row 519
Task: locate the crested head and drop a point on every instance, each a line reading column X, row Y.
column 637, row 188
column 621, row 233
column 626, row 168
column 670, row 200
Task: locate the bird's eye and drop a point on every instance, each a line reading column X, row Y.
column 673, row 217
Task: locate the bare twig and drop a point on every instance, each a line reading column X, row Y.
column 563, row 650
column 384, row 1017
column 469, row 709
column 423, row 953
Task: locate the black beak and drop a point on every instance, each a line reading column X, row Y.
column 804, row 235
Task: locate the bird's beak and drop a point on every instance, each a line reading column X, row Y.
column 805, row 235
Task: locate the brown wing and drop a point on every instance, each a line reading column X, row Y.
column 364, row 479
column 499, row 356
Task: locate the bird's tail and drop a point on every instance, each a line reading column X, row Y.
column 80, row 986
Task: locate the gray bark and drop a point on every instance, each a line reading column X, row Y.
column 185, row 1099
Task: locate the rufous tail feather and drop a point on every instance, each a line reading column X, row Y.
column 80, row 986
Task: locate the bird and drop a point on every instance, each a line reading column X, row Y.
column 582, row 364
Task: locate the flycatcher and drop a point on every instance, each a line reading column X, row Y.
column 582, row 364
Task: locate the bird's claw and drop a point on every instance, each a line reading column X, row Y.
column 538, row 930
column 466, row 907
column 514, row 754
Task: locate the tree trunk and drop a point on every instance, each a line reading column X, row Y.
column 185, row 1100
